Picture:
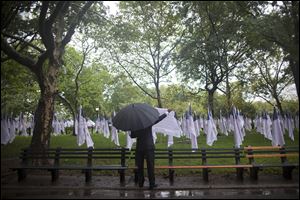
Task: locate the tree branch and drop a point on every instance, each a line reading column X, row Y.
column 8, row 19
column 75, row 22
column 172, row 48
column 24, row 41
column 41, row 25
column 267, row 100
column 12, row 53
column 129, row 74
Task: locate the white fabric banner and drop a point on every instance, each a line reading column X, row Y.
column 168, row 125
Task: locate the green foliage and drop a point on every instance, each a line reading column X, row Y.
column 214, row 46
column 142, row 40
column 274, row 25
column 291, row 106
column 19, row 90
column 98, row 87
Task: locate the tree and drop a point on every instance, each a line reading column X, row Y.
column 85, row 49
column 214, row 46
column 269, row 77
column 273, row 24
column 39, row 45
column 94, row 85
column 142, row 40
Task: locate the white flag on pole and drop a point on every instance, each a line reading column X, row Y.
column 114, row 133
column 290, row 126
column 5, row 137
column 129, row 140
column 168, row 125
column 211, row 134
column 277, row 133
column 83, row 134
column 237, row 133
column 191, row 128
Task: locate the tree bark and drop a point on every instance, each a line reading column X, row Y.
column 45, row 109
column 211, row 101
column 159, row 103
column 278, row 104
column 228, row 95
column 295, row 70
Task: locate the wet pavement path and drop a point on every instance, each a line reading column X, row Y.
column 39, row 186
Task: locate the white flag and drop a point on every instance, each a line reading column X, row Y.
column 129, row 140
column 170, row 140
column 5, row 137
column 114, row 133
column 168, row 125
column 290, row 126
column 237, row 133
column 83, row 134
column 191, row 128
column 211, row 130
column 277, row 133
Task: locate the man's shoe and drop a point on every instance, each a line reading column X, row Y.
column 151, row 187
column 141, row 184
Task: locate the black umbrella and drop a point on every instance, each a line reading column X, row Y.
column 135, row 117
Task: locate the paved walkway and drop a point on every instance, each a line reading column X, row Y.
column 39, row 186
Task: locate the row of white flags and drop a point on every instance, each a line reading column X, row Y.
column 188, row 126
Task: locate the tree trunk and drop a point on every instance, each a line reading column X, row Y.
column 211, row 101
column 159, row 103
column 228, row 95
column 278, row 104
column 45, row 109
column 295, row 69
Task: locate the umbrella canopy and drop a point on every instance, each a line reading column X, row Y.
column 135, row 117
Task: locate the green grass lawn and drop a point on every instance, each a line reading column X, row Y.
column 252, row 138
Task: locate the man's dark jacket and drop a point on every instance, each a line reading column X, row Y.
column 144, row 136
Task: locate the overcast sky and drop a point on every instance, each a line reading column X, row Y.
column 113, row 6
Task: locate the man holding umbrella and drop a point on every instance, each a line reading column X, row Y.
column 145, row 149
column 139, row 119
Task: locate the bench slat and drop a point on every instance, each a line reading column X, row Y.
column 262, row 147
column 102, row 167
column 202, row 166
column 272, row 155
column 276, row 165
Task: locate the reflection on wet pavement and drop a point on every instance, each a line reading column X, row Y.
column 223, row 193
column 290, row 193
column 40, row 187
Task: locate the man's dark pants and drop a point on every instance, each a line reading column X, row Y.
column 147, row 154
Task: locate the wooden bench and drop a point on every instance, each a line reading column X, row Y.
column 259, row 158
column 86, row 160
column 203, row 158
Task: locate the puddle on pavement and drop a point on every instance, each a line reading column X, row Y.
column 197, row 193
column 163, row 194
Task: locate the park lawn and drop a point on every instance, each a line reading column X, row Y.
column 252, row 138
